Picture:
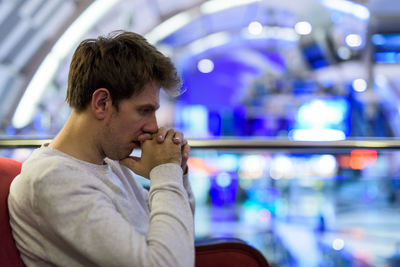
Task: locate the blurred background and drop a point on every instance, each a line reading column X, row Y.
column 305, row 70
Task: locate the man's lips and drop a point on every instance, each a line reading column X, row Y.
column 137, row 143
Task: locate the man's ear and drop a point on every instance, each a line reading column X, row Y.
column 101, row 103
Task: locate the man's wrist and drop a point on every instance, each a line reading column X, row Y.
column 185, row 170
column 163, row 170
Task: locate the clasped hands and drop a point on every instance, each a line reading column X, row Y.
column 165, row 146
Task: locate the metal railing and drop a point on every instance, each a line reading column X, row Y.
column 247, row 143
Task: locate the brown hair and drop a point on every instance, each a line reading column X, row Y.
column 124, row 63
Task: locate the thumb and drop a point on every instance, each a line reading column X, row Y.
column 131, row 162
column 135, row 165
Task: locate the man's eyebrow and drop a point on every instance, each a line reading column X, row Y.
column 149, row 106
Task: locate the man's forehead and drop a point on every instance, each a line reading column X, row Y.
column 146, row 99
column 149, row 88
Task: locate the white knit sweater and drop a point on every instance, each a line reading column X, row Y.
column 68, row 212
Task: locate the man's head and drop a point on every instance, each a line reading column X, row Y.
column 123, row 63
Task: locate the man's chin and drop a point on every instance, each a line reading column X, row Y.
column 120, row 156
column 117, row 157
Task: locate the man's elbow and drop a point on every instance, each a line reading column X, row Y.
column 173, row 257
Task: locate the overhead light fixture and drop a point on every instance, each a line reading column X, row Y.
column 338, row 244
column 273, row 32
column 169, row 26
column 219, row 5
column 255, row 28
column 205, row 65
column 357, row 10
column 47, row 70
column 344, row 53
column 353, row 40
column 303, row 27
column 317, row 134
column 180, row 20
column 222, row 38
column 210, row 41
column 360, row 85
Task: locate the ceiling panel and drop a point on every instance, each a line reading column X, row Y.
column 29, row 27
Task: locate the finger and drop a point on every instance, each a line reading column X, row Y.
column 185, row 152
column 170, row 134
column 129, row 161
column 161, row 133
column 185, row 157
column 134, row 164
column 144, row 137
column 178, row 138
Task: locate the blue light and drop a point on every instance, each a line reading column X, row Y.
column 10, row 130
column 228, row 162
column 336, row 17
column 320, row 113
column 200, row 182
column 223, row 179
column 321, row 120
column 387, row 48
column 214, row 123
column 263, row 195
column 378, row 39
column 387, row 57
column 315, row 56
column 193, row 120
column 223, row 188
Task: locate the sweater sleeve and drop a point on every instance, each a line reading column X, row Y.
column 165, row 196
column 189, row 192
column 83, row 225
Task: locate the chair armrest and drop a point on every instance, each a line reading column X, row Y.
column 231, row 252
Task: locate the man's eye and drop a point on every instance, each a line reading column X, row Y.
column 145, row 111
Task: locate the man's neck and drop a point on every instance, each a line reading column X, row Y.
column 77, row 139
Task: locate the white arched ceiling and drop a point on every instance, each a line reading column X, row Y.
column 201, row 19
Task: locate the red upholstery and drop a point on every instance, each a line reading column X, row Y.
column 9, row 256
column 230, row 252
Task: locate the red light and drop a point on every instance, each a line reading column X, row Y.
column 199, row 164
column 359, row 159
column 344, row 161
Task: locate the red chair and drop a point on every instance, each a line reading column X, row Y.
column 9, row 255
column 212, row 252
column 230, row 252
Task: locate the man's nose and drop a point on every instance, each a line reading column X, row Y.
column 151, row 125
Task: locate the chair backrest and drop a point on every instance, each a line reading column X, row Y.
column 9, row 255
column 230, row 252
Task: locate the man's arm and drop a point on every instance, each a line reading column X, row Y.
column 133, row 163
column 189, row 192
column 163, row 148
column 85, row 225
column 75, row 220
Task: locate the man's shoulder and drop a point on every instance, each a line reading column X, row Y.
column 47, row 165
column 47, row 174
column 44, row 160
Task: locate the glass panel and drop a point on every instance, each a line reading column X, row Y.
column 302, row 208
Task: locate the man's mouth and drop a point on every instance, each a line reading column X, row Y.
column 137, row 144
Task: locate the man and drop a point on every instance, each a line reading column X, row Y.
column 76, row 202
